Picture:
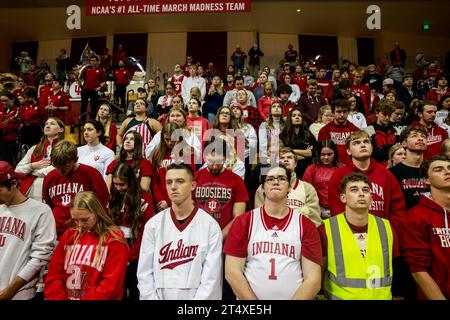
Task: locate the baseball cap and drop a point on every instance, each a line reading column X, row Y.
column 388, row 81
column 7, row 172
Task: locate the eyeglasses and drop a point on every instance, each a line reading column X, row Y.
column 225, row 113
column 280, row 179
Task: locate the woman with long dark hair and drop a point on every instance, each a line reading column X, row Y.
column 104, row 115
column 132, row 152
column 319, row 173
column 94, row 153
column 130, row 208
column 297, row 136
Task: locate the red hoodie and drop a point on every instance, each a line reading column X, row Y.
column 338, row 133
column 387, row 197
column 425, row 242
column 436, row 135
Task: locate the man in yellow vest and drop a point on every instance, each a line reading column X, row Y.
column 358, row 246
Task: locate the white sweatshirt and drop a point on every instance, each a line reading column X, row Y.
column 98, row 157
column 27, row 242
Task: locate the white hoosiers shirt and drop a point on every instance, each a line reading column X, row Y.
column 273, row 267
column 181, row 264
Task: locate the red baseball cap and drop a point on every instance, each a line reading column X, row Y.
column 7, row 172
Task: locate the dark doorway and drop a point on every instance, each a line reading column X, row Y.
column 365, row 51
column 323, row 49
column 206, row 47
column 17, row 47
column 135, row 45
column 97, row 44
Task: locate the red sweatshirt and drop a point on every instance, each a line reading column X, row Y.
column 338, row 134
column 264, row 106
column 436, row 135
column 93, row 77
column 387, row 197
column 58, row 191
column 9, row 123
column 75, row 274
column 425, row 242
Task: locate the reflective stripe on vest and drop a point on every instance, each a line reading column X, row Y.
column 340, row 279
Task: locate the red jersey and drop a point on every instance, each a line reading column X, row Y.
column 92, row 77
column 363, row 91
column 58, row 191
column 301, row 81
column 9, row 123
column 44, row 92
column 218, row 194
column 33, row 114
column 435, row 95
column 60, row 99
column 264, row 106
column 327, row 89
column 338, row 133
column 388, row 201
column 122, row 76
column 425, row 242
column 77, row 271
column 319, row 177
column 145, row 169
column 288, row 106
column 177, row 81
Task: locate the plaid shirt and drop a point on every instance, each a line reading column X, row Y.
column 252, row 116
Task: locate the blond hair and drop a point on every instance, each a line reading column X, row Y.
column 63, row 152
column 356, row 135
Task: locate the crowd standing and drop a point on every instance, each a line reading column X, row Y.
column 308, row 181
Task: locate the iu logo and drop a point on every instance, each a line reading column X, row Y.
column 2, row 241
column 212, row 205
column 66, row 199
column 96, row 158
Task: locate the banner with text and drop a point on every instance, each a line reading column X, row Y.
column 125, row 7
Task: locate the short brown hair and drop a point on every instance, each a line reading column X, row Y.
column 63, row 152
column 356, row 135
column 354, row 177
column 426, row 164
column 385, row 107
column 340, row 103
column 413, row 128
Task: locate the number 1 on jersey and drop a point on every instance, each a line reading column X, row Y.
column 272, row 275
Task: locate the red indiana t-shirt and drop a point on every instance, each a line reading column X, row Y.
column 218, row 194
column 145, row 168
column 237, row 240
column 338, row 133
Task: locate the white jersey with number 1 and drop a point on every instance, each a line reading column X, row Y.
column 273, row 267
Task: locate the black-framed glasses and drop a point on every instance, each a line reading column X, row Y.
column 280, row 179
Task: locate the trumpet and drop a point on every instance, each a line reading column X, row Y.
column 11, row 118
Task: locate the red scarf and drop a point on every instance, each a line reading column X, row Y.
column 29, row 179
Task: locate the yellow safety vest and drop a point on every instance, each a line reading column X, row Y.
column 349, row 276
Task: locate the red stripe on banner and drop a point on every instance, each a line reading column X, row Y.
column 126, row 7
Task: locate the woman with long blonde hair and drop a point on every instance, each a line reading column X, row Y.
column 91, row 258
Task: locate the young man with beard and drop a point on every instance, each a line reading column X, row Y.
column 339, row 128
column 284, row 91
column 345, row 91
column 181, row 249
column 67, row 179
column 361, row 90
column 219, row 191
column 426, row 110
column 408, row 172
column 358, row 247
column 425, row 233
column 274, row 252
column 27, row 238
column 388, row 201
